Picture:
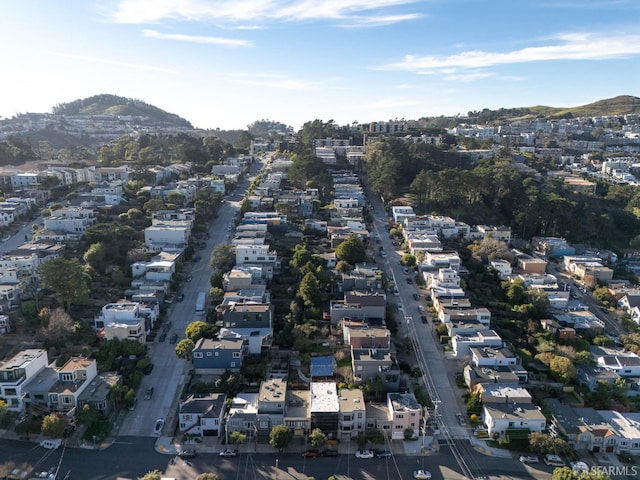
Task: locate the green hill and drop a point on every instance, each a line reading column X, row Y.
column 114, row 105
column 623, row 104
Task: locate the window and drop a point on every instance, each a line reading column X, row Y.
column 232, row 364
column 197, row 354
column 209, row 354
column 399, row 416
column 217, row 354
column 359, row 415
column 236, row 354
column 66, row 377
column 399, row 427
column 346, row 418
column 386, row 427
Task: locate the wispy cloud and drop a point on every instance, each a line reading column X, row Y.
column 378, row 21
column 116, row 63
column 228, row 42
column 357, row 12
column 575, row 46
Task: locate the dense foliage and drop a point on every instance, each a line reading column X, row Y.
column 494, row 191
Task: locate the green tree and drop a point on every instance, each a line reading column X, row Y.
column 540, row 443
column 317, row 438
column 207, row 476
column 237, row 438
column 152, row 475
column 280, row 437
column 87, row 415
column 184, row 348
column 66, row 278
column 4, row 413
column 351, row 250
column 563, row 369
column 309, row 291
column 408, row 260
column 199, row 329
column 474, row 403
column 53, row 426
column 95, row 256
column 223, row 257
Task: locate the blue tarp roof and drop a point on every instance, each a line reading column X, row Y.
column 322, row 366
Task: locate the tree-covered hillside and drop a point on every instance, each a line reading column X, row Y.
column 494, row 191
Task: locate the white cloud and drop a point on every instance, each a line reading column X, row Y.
column 228, row 42
column 117, row 63
column 577, row 46
column 378, row 21
column 154, row 11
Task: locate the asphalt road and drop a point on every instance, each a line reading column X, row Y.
column 170, row 373
column 130, row 458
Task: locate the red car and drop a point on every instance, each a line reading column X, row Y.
column 310, row 454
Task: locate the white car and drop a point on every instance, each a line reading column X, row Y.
column 399, row 306
column 159, row 425
column 422, row 475
column 529, row 459
column 364, row 454
column 227, row 452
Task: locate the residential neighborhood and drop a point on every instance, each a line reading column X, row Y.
column 276, row 292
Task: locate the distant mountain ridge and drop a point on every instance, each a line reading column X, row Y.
column 106, row 104
column 620, row 105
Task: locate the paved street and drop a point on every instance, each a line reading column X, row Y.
column 170, row 373
column 130, row 458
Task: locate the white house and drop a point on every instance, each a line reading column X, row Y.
column 15, row 373
column 502, row 417
column 462, row 343
column 71, row 222
column 124, row 320
column 164, row 235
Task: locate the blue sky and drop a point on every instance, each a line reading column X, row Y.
column 226, row 63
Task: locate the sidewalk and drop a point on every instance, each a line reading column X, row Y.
column 481, row 446
column 174, row 445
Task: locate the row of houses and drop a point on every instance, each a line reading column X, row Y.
column 339, row 412
column 28, row 381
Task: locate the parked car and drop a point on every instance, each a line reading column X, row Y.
column 188, row 453
column 553, row 460
column 399, row 306
column 310, row 454
column 416, row 297
column 181, row 297
column 159, row 424
column 162, row 337
column 421, row 474
column 529, row 459
column 364, row 454
column 329, row 453
column 148, row 369
column 409, row 281
column 173, row 338
column 461, row 419
column 227, row 452
column 149, row 393
column 424, row 319
column 384, row 454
